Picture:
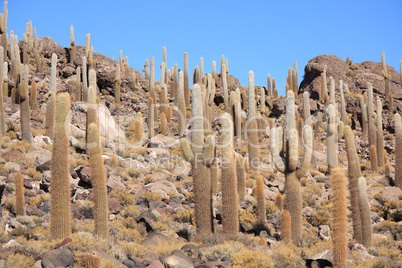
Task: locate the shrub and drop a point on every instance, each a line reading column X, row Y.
column 123, row 197
column 252, row 259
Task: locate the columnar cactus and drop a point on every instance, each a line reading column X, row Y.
column 78, row 92
column 72, row 47
column 365, row 213
column 3, row 88
column 84, row 79
column 387, row 77
column 295, row 78
column 286, row 225
column 138, row 130
column 166, row 66
column 3, row 30
column 145, row 69
column 289, row 164
column 324, row 83
column 163, row 124
column 181, row 105
column 363, row 107
column 37, row 49
column 117, row 84
column 261, row 214
column 25, row 113
column 269, row 87
column 60, row 192
column 186, row 85
column 198, row 154
column 151, row 116
column 332, row 138
column 19, row 194
column 339, row 217
column 279, row 201
column 50, row 108
column 98, row 179
column 225, row 89
column 354, row 173
column 380, row 136
column 230, row 199
column 343, row 104
column 370, row 113
column 398, row 150
column 373, row 158
column 241, row 177
column 252, row 127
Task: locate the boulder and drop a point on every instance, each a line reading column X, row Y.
column 60, row 257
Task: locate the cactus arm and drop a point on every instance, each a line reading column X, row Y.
column 186, row 149
column 308, row 150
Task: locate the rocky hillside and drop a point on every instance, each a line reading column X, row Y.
column 154, row 191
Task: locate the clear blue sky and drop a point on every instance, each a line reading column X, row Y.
column 262, row 36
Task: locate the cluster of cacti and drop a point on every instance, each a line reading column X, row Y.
column 286, row 159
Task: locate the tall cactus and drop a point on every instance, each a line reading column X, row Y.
column 98, row 179
column 25, row 113
column 60, row 192
column 252, row 127
column 3, row 30
column 50, row 108
column 365, row 213
column 145, row 69
column 3, row 88
column 230, row 199
column 186, row 84
column 72, row 47
column 117, row 85
column 198, row 154
column 339, row 217
column 380, row 135
column 387, row 77
column 332, row 138
column 181, row 105
column 354, row 173
column 19, row 195
column 370, row 113
column 398, row 150
column 289, row 164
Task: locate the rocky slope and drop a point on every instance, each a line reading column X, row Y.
column 150, row 199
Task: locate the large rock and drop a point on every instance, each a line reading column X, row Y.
column 60, row 257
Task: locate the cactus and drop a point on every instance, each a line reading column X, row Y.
column 163, row 124
column 186, row 85
column 252, row 127
column 241, row 177
column 398, row 150
column 370, row 112
column 117, row 84
column 145, row 69
column 332, row 138
column 214, row 177
column 84, row 79
column 25, row 113
column 391, row 103
column 19, row 194
column 230, row 199
column 50, row 108
column 72, row 47
column 3, row 31
column 181, row 105
column 295, row 78
column 151, row 116
column 269, row 87
column 279, row 201
column 286, row 225
column 3, row 92
column 373, row 158
column 60, row 192
column 34, row 96
column 354, row 173
column 324, row 83
column 98, row 179
column 78, row 93
column 197, row 154
column 365, row 213
column 339, row 217
column 343, row 104
column 380, row 136
column 225, row 89
column 163, row 99
column 261, row 214
column 165, row 76
column 137, row 130
column 37, row 49
column 387, row 77
column 289, row 164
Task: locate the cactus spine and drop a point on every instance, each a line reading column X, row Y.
column 60, row 193
column 19, row 195
column 230, row 200
column 398, row 150
column 339, row 218
column 289, row 165
column 365, row 213
column 196, row 154
column 98, row 179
